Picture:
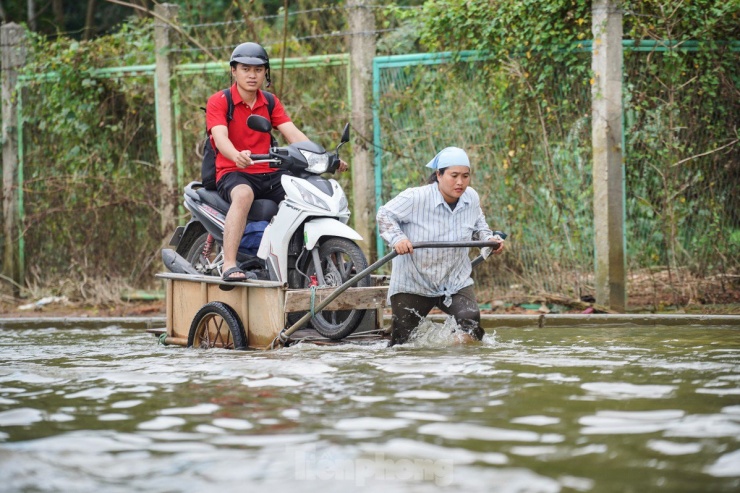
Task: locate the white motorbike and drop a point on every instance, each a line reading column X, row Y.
column 307, row 243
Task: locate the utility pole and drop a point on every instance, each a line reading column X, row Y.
column 163, row 98
column 362, row 52
column 13, row 56
column 608, row 154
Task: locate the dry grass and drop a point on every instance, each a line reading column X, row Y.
column 648, row 290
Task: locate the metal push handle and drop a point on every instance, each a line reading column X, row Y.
column 284, row 335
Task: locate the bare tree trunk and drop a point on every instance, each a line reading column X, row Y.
column 57, row 6
column 32, row 14
column 89, row 19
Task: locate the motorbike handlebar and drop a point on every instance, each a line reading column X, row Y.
column 259, row 157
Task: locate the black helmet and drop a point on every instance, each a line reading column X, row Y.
column 250, row 54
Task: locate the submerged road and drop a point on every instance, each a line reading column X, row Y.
column 489, row 321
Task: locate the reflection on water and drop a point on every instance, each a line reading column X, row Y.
column 526, row 410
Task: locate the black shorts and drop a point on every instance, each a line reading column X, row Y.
column 264, row 185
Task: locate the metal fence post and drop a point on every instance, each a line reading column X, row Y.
column 608, row 154
column 12, row 37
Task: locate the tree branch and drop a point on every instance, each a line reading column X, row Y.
column 170, row 23
column 705, row 153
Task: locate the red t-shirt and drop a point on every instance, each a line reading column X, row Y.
column 243, row 137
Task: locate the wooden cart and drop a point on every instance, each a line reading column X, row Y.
column 204, row 311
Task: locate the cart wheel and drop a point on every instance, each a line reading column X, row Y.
column 217, row 325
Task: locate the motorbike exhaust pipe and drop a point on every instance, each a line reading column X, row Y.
column 176, row 264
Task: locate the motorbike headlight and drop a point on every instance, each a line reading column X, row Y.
column 317, row 163
column 311, row 198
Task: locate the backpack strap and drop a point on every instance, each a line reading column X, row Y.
column 230, row 111
column 230, row 102
column 270, row 97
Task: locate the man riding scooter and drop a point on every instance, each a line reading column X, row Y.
column 239, row 180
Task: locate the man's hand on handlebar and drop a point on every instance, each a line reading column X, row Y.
column 243, row 159
column 343, row 166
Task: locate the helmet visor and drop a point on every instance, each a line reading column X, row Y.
column 249, row 60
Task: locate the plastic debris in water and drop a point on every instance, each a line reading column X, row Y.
column 44, row 301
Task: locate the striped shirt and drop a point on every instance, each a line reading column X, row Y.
column 421, row 214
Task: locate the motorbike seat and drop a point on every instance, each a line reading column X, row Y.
column 213, row 199
column 261, row 210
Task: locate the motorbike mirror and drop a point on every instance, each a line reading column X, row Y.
column 259, row 123
column 345, row 134
column 345, row 138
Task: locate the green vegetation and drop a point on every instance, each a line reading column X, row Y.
column 521, row 108
column 681, row 88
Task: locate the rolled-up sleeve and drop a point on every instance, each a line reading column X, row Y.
column 481, row 232
column 392, row 215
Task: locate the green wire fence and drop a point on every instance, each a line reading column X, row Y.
column 90, row 177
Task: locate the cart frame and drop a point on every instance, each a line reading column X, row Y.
column 262, row 307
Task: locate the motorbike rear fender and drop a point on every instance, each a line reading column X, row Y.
column 324, row 226
column 193, row 227
column 177, row 236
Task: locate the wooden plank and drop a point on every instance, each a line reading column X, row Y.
column 168, row 306
column 243, row 311
column 187, row 299
column 176, row 341
column 299, row 300
column 266, row 316
column 233, row 298
column 217, row 280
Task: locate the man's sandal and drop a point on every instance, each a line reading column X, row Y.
column 232, row 275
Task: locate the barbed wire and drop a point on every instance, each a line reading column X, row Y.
column 268, row 44
column 290, row 14
column 346, row 33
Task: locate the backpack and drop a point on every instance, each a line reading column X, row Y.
column 252, row 237
column 208, row 166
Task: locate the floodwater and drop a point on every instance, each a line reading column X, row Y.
column 527, row 410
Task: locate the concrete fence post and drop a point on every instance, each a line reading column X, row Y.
column 13, row 56
column 361, row 52
column 165, row 120
column 608, row 155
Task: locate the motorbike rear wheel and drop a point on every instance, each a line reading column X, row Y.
column 193, row 253
column 340, row 260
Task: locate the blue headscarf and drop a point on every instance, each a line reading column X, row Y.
column 449, row 156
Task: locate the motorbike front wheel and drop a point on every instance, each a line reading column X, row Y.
column 340, row 260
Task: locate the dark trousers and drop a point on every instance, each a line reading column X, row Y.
column 410, row 309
